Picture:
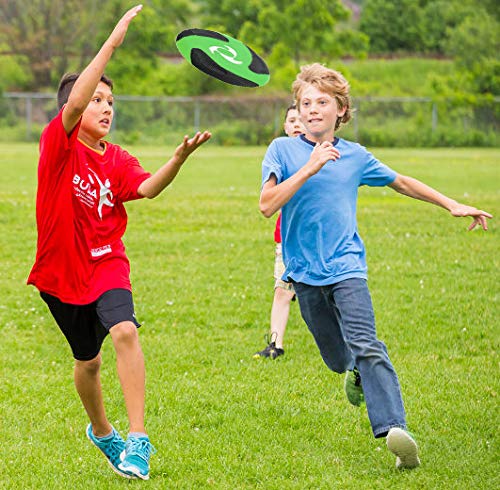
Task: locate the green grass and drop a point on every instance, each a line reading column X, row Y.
column 202, row 261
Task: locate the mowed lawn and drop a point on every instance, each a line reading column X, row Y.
column 202, row 262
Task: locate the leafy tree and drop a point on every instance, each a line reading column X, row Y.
column 228, row 16
column 150, row 39
column 393, row 25
column 417, row 26
column 306, row 28
column 46, row 34
column 52, row 37
column 475, row 44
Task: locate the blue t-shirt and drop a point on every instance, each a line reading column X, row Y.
column 319, row 232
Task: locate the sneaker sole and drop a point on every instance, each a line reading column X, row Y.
column 114, row 468
column 134, row 471
column 400, row 443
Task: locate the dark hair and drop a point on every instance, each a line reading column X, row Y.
column 291, row 107
column 66, row 85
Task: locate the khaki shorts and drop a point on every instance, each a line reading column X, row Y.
column 279, row 269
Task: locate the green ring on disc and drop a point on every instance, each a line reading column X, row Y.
column 223, row 57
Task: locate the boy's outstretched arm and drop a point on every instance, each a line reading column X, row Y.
column 152, row 186
column 418, row 190
column 87, row 82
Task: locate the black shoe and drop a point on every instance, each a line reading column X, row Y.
column 271, row 351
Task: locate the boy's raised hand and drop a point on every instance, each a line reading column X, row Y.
column 118, row 35
column 322, row 153
column 461, row 210
column 189, row 145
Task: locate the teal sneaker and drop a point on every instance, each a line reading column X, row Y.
column 111, row 446
column 401, row 443
column 353, row 388
column 135, row 458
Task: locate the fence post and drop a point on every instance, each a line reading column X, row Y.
column 434, row 117
column 29, row 115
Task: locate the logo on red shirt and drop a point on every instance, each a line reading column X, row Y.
column 87, row 193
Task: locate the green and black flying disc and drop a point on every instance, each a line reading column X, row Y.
column 223, row 57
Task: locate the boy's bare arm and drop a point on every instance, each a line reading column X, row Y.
column 274, row 196
column 152, row 186
column 87, row 82
column 418, row 190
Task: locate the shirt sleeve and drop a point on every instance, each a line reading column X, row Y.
column 272, row 163
column 55, row 145
column 375, row 173
column 133, row 175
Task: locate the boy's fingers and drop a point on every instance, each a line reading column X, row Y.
column 479, row 220
column 135, row 10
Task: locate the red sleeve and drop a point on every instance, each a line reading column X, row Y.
column 55, row 145
column 132, row 176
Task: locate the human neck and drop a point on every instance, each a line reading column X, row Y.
column 320, row 137
column 94, row 143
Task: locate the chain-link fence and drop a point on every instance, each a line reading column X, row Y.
column 377, row 121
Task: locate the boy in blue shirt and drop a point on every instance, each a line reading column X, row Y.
column 314, row 179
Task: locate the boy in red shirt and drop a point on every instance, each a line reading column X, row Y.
column 81, row 268
column 283, row 291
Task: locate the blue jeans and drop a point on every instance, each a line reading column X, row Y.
column 340, row 317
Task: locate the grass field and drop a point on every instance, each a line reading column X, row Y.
column 202, row 261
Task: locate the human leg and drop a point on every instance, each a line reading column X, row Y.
column 380, row 383
column 280, row 311
column 131, row 372
column 343, row 313
column 279, row 318
column 116, row 311
column 88, row 385
column 323, row 320
column 85, row 334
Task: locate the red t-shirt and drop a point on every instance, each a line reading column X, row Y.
column 277, row 230
column 81, row 217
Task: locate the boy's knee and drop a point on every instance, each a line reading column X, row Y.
column 372, row 353
column 282, row 295
column 338, row 366
column 91, row 366
column 124, row 332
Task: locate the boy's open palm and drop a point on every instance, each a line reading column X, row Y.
column 189, row 145
column 118, row 34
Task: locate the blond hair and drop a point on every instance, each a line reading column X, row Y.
column 326, row 80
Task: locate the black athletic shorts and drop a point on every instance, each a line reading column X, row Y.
column 86, row 326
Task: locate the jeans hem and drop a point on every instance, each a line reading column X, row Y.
column 385, row 430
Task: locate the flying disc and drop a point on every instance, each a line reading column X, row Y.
column 223, row 57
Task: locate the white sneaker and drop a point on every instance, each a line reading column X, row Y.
column 402, row 444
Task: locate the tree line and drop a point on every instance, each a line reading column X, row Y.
column 40, row 40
